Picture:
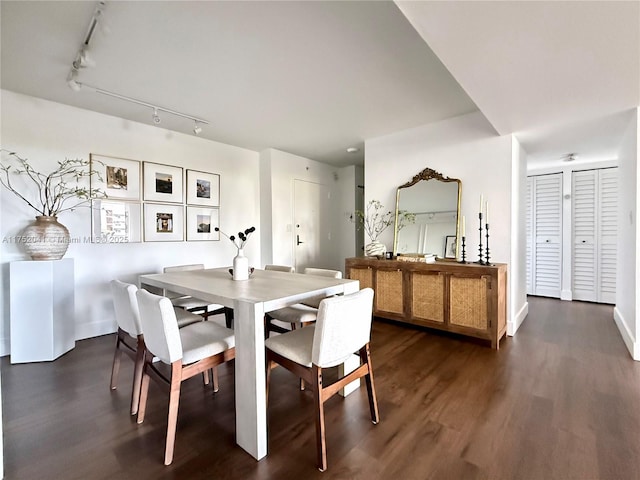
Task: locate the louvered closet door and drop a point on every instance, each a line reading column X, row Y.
column 607, row 234
column 584, row 235
column 595, row 194
column 547, row 227
column 529, row 234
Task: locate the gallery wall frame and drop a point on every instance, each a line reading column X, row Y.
column 119, row 178
column 162, row 183
column 163, row 222
column 201, row 223
column 203, row 188
column 115, row 221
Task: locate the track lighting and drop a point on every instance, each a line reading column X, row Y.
column 196, row 128
column 155, row 116
column 72, row 80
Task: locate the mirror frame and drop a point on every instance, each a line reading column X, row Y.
column 429, row 174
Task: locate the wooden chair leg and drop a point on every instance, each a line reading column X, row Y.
column 228, row 317
column 174, row 401
column 115, row 367
column 214, row 371
column 137, row 375
column 205, row 377
column 269, row 366
column 365, row 357
column 144, row 391
column 320, row 434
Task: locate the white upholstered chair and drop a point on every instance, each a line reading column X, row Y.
column 187, row 302
column 280, row 268
column 343, row 327
column 129, row 338
column 190, row 350
column 300, row 314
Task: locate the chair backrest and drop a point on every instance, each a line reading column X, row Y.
column 184, row 268
column 280, row 268
column 180, row 268
column 158, row 319
column 343, row 327
column 126, row 307
column 323, row 272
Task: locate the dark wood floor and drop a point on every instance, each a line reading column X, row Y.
column 560, row 400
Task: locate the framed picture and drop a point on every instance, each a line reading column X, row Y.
column 201, row 223
column 115, row 221
column 203, row 188
column 450, row 246
column 119, row 178
column 163, row 223
column 162, row 183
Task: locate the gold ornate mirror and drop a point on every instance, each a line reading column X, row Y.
column 435, row 202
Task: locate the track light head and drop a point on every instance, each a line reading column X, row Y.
column 72, row 81
column 196, row 128
column 155, row 116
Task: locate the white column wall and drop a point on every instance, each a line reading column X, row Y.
column 464, row 147
column 628, row 268
column 47, row 132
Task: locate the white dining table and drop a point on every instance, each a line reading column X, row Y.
column 250, row 299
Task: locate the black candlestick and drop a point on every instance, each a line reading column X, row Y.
column 480, row 260
column 464, row 260
column 487, row 250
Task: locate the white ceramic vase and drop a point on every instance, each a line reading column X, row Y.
column 46, row 239
column 240, row 266
column 375, row 249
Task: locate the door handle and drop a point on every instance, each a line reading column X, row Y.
column 298, row 242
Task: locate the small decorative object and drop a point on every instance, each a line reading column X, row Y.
column 487, row 235
column 463, row 239
column 47, row 239
column 374, row 221
column 480, row 260
column 450, row 246
column 240, row 262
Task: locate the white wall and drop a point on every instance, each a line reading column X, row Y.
column 628, row 268
column 464, row 147
column 279, row 170
column 518, row 271
column 46, row 132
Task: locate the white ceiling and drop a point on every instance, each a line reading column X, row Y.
column 560, row 75
column 313, row 78
column 309, row 78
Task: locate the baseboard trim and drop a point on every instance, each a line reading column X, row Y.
column 95, row 329
column 627, row 336
column 514, row 325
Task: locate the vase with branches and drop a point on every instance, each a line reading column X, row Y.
column 374, row 220
column 49, row 195
column 241, row 269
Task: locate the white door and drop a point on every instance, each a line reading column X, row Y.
column 310, row 224
column 595, row 194
column 546, row 235
column 529, row 234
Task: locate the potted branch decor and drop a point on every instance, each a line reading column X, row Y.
column 58, row 191
column 374, row 220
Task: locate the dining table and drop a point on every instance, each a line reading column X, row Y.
column 263, row 292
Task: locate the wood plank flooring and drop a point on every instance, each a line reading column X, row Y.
column 560, row 400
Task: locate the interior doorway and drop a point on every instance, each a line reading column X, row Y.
column 311, row 227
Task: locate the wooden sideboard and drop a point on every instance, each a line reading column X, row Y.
column 467, row 299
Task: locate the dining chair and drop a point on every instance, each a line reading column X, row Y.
column 280, row 268
column 193, row 349
column 130, row 339
column 300, row 314
column 187, row 302
column 343, row 327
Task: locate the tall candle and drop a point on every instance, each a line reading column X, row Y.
column 481, row 203
column 463, row 226
column 487, row 213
